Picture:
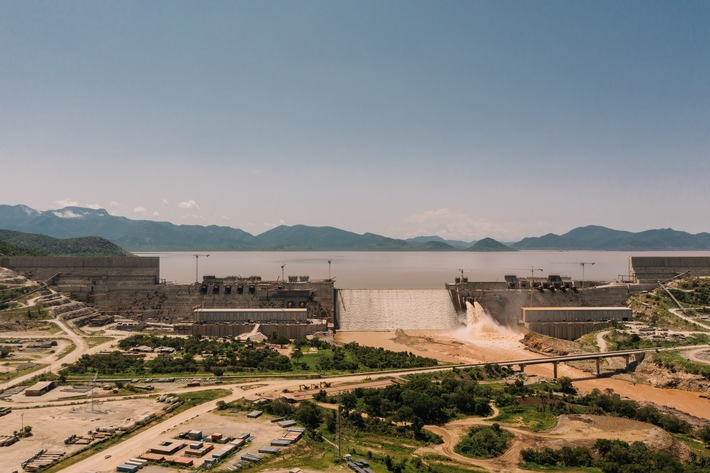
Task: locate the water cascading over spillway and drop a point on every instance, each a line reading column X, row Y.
column 390, row 309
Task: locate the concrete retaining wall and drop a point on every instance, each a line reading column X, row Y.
column 567, row 331
column 290, row 331
column 249, row 315
column 650, row 269
column 575, row 314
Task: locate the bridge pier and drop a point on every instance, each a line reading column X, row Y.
column 627, row 358
column 598, row 360
column 522, row 368
column 554, row 370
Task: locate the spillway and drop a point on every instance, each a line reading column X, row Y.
column 390, row 309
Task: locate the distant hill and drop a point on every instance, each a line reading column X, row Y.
column 303, row 237
column 425, row 240
column 14, row 243
column 594, row 237
column 489, row 244
column 147, row 235
column 434, row 246
column 10, row 250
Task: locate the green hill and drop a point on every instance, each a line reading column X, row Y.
column 489, row 244
column 31, row 244
column 10, row 250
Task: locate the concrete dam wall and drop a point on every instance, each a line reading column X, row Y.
column 390, row 309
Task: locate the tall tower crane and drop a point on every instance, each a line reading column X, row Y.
column 583, row 264
column 197, row 260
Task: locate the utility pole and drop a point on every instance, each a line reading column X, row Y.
column 197, row 259
column 340, row 431
column 329, row 261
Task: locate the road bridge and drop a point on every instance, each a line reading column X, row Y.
column 556, row 360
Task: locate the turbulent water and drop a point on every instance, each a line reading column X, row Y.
column 480, row 326
column 390, row 309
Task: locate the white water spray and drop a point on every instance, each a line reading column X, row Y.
column 481, row 326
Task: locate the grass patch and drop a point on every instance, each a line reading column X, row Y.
column 70, row 348
column 195, row 398
column 529, row 416
column 536, row 467
column 695, row 445
column 94, row 341
column 14, row 374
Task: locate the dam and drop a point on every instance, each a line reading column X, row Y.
column 391, row 309
column 131, row 287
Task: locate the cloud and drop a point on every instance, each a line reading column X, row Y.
column 92, row 206
column 67, row 214
column 165, row 202
column 115, row 204
column 66, row 203
column 140, row 211
column 190, row 204
column 156, row 214
column 457, row 226
column 426, row 216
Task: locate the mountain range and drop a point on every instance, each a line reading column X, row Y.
column 13, row 243
column 148, row 235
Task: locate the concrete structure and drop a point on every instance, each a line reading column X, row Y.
column 83, row 271
column 40, row 388
column 651, row 269
column 167, row 447
column 504, row 304
column 253, row 323
column 571, row 323
column 575, row 314
column 131, row 286
column 253, row 315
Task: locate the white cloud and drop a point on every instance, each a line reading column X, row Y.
column 428, row 215
column 67, row 214
column 165, row 202
column 190, row 204
column 140, row 211
column 92, row 206
column 457, row 226
column 156, row 214
column 225, row 217
column 115, row 204
column 66, row 203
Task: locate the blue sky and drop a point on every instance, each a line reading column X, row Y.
column 459, row 118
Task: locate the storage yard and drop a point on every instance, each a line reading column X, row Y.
column 51, row 426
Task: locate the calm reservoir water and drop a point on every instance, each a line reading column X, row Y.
column 394, row 270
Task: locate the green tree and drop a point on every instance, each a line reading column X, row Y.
column 309, row 415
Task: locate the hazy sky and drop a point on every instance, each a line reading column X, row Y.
column 464, row 119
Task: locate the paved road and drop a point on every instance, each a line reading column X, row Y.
column 56, row 363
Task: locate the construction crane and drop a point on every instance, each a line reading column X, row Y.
column 532, row 281
column 197, row 260
column 583, row 264
column 283, row 265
